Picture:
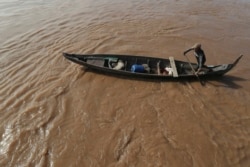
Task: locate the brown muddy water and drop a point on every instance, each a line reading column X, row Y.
column 55, row 113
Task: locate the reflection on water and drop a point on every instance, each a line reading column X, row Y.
column 56, row 113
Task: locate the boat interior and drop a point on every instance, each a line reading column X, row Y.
column 153, row 64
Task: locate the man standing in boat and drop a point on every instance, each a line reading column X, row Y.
column 199, row 54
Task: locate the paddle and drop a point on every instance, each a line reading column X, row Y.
column 194, row 70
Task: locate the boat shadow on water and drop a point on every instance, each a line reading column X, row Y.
column 226, row 81
column 217, row 81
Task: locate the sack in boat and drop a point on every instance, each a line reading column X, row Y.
column 119, row 65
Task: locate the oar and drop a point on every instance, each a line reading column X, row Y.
column 194, row 70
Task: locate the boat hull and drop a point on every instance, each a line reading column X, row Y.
column 180, row 69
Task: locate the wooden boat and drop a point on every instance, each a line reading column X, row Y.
column 146, row 67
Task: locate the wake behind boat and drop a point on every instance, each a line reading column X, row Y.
column 146, row 67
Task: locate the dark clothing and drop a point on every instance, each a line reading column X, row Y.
column 200, row 57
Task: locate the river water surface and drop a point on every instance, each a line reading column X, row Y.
column 56, row 113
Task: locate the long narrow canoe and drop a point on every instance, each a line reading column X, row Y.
column 146, row 67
